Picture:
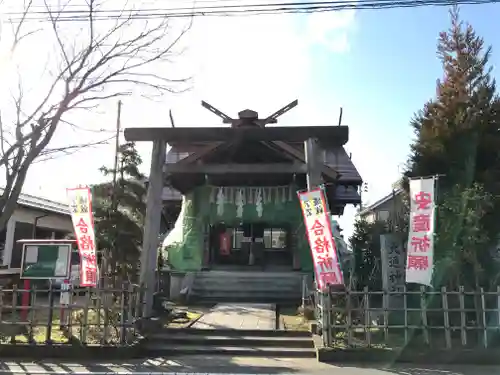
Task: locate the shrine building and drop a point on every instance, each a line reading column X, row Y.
column 240, row 226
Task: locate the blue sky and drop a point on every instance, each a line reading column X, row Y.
column 388, row 73
column 380, row 66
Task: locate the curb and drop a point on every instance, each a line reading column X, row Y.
column 69, row 351
column 427, row 356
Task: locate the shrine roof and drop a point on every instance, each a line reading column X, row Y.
column 336, row 159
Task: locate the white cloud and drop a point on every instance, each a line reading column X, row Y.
column 332, row 29
column 260, row 63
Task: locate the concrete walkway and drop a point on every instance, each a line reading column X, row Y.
column 238, row 316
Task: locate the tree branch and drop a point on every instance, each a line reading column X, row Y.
column 110, row 60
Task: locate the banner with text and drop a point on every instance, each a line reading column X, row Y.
column 80, row 203
column 419, row 260
column 319, row 233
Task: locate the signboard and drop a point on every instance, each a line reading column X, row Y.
column 65, row 297
column 419, row 261
column 319, row 233
column 45, row 261
column 80, row 202
column 393, row 262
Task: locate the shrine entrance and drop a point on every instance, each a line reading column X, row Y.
column 250, row 246
column 256, row 172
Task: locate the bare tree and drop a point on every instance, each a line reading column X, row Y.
column 109, row 59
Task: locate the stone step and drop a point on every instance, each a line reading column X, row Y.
column 229, row 283
column 233, row 286
column 166, row 349
column 222, row 297
column 268, row 282
column 245, row 289
column 251, row 275
column 229, row 332
column 219, row 340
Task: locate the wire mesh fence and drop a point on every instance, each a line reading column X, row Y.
column 442, row 319
column 83, row 316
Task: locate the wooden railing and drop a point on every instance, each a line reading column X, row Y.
column 88, row 317
column 444, row 319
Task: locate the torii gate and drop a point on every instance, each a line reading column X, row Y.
column 247, row 127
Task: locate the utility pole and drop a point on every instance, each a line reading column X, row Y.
column 117, row 147
column 107, row 258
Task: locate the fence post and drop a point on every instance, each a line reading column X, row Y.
column 85, row 318
column 303, row 292
column 498, row 306
column 98, row 303
column 105, row 307
column 48, row 337
column 14, row 311
column 446, row 312
column 123, row 315
column 32, row 307
column 144, row 303
column 484, row 322
column 368, row 320
column 423, row 314
column 405, row 307
column 349, row 315
column 324, row 317
column 463, row 320
column 329, row 317
column 385, row 307
column 1, row 303
column 138, row 301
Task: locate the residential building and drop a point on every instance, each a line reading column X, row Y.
column 34, row 217
column 389, row 207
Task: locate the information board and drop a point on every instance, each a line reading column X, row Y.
column 45, row 261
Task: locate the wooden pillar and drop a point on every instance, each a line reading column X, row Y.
column 313, row 163
column 149, row 255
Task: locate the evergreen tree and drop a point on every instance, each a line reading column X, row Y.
column 119, row 212
column 365, row 243
column 464, row 259
column 457, row 136
column 457, row 132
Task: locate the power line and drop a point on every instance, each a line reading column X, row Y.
column 232, row 10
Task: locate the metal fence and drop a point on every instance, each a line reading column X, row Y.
column 444, row 319
column 80, row 316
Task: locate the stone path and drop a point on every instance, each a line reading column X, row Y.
column 238, row 316
column 226, row 365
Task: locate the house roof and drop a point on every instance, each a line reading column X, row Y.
column 381, row 201
column 33, row 202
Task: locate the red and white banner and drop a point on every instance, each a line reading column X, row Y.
column 420, row 248
column 319, row 233
column 80, row 203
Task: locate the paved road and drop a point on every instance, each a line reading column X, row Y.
column 218, row 365
column 238, row 316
